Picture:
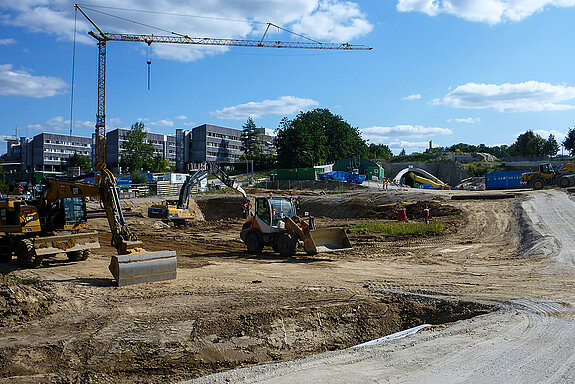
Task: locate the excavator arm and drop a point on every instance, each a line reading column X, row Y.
column 133, row 264
column 206, row 169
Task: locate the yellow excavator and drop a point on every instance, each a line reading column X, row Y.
column 275, row 223
column 178, row 211
column 52, row 224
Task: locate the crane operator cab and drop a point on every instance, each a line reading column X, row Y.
column 276, row 223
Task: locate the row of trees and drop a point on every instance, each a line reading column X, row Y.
column 318, row 137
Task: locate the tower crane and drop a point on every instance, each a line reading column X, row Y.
column 103, row 37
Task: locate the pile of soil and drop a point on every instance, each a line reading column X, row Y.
column 24, row 299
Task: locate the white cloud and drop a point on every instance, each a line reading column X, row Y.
column 382, row 134
column 7, row 41
column 464, row 120
column 162, row 123
column 559, row 136
column 416, row 96
column 409, row 146
column 57, row 124
column 181, row 117
column 329, row 20
column 333, row 20
column 530, row 96
column 23, row 83
column 485, row 11
column 285, row 105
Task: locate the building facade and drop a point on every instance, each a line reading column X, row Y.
column 207, row 142
column 164, row 146
column 47, row 152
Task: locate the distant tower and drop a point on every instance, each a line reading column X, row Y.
column 430, row 145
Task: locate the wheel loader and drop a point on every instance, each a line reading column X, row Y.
column 275, row 223
column 564, row 177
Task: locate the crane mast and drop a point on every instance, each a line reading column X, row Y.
column 103, row 37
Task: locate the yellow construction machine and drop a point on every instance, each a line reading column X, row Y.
column 178, row 211
column 276, row 224
column 545, row 175
column 52, row 223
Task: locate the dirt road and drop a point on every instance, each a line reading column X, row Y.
column 528, row 339
column 66, row 322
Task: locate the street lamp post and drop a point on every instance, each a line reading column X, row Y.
column 311, row 156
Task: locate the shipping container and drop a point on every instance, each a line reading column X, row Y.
column 286, row 174
column 306, row 174
column 503, row 180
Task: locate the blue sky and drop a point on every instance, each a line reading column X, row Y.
column 449, row 71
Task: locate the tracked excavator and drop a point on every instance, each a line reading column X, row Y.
column 52, row 224
column 178, row 211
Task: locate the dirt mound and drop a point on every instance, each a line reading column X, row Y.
column 349, row 207
column 23, row 299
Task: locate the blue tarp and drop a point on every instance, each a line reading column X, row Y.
column 342, row 176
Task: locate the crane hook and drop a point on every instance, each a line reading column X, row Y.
column 149, row 62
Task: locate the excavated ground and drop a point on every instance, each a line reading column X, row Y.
column 66, row 323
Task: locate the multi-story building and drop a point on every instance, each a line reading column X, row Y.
column 207, row 142
column 49, row 152
column 164, row 146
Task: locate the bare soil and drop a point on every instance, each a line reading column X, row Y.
column 66, row 322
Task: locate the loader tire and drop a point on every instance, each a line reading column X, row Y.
column 74, row 256
column 564, row 182
column 26, row 255
column 253, row 243
column 537, row 184
column 5, row 257
column 85, row 254
column 286, row 244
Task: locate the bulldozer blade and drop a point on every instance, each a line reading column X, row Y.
column 51, row 245
column 143, row 267
column 326, row 240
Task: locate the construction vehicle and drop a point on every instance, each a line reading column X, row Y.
column 52, row 225
column 177, row 211
column 275, row 223
column 563, row 177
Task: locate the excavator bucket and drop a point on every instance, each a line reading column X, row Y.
column 326, row 240
column 143, row 267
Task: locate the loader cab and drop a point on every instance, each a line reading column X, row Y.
column 272, row 210
column 545, row 168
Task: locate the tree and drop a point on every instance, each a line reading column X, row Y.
column 251, row 140
column 528, row 144
column 379, row 151
column 402, row 153
column 569, row 142
column 84, row 162
column 551, row 147
column 137, row 155
column 316, row 134
column 159, row 164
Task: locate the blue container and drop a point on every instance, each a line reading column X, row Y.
column 123, row 180
column 503, row 180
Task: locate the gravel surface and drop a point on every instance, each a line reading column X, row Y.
column 527, row 340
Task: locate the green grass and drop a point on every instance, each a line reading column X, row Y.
column 27, row 281
column 400, row 229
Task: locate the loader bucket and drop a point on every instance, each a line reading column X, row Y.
column 326, row 240
column 143, row 267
